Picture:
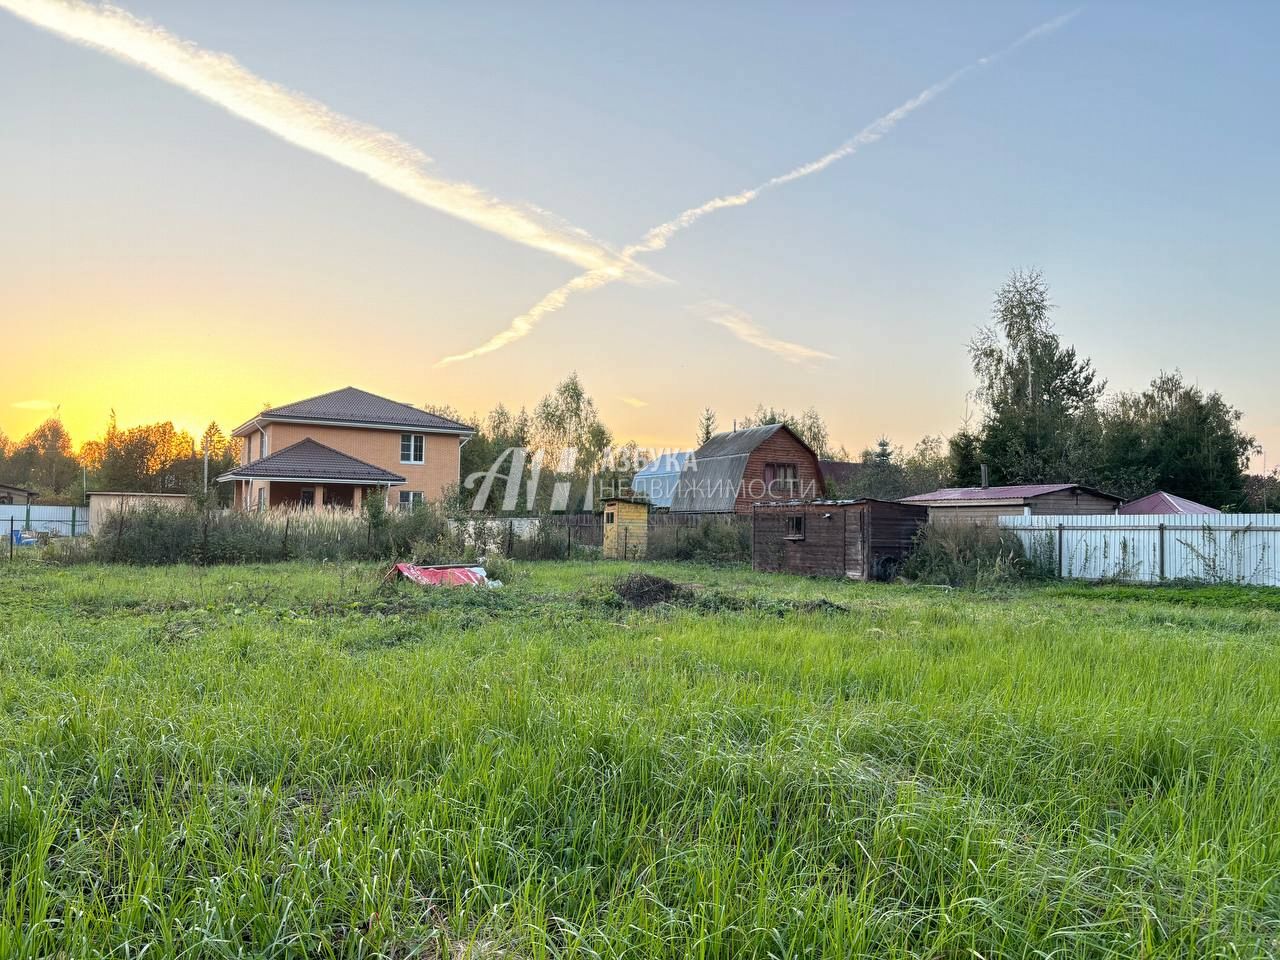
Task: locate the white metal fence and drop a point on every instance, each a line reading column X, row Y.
column 1217, row 548
column 58, row 521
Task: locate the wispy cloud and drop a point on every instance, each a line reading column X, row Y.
column 660, row 236
column 634, row 402
column 306, row 123
column 34, row 405
column 750, row 332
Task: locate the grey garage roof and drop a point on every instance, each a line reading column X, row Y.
column 312, row 461
column 352, row 405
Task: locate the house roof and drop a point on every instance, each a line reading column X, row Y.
column 1161, row 502
column 352, row 405
column 712, row 476
column 311, row 461
column 1019, row 491
column 732, row 443
column 658, row 478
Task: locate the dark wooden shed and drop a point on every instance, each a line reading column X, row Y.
column 859, row 539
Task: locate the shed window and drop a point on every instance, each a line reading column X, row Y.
column 781, row 479
column 795, row 527
column 608, row 517
column 412, row 448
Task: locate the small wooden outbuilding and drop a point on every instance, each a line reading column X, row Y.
column 11, row 495
column 986, row 505
column 859, row 539
column 626, row 528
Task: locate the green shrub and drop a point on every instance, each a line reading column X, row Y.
column 710, row 541
column 969, row 555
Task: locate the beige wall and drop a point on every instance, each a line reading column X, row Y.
column 101, row 505
column 980, row 515
column 381, row 448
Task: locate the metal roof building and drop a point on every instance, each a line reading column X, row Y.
column 657, row 480
column 1158, row 503
column 988, row 504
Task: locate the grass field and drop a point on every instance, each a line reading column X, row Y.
column 287, row 761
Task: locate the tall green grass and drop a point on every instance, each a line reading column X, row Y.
column 291, row 761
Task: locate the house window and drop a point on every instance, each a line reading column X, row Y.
column 262, row 498
column 795, row 527
column 262, row 444
column 413, row 448
column 780, row 479
column 410, row 499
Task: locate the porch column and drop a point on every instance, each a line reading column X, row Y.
column 357, row 497
column 319, row 501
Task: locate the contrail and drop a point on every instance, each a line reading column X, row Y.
column 748, row 331
column 306, row 123
column 658, row 237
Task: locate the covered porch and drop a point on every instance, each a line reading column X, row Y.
column 308, row 475
column 303, row 494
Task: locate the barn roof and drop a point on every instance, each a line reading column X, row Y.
column 712, row 477
column 1019, row 491
column 309, row 460
column 1160, row 502
column 351, row 405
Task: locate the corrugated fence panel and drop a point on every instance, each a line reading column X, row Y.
column 1221, row 548
column 63, row 521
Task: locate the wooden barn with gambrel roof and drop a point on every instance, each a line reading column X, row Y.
column 733, row 470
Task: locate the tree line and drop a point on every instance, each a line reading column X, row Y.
column 1044, row 415
column 152, row 458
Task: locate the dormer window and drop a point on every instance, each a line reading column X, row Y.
column 413, row 448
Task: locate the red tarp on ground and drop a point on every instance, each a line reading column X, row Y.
column 443, row 576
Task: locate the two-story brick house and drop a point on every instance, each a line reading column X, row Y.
column 339, row 447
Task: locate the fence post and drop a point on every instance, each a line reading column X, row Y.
column 568, row 543
column 11, row 519
column 1060, row 557
column 284, row 547
column 1161, row 551
column 511, row 537
column 73, row 523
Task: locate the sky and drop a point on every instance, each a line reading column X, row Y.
column 169, row 258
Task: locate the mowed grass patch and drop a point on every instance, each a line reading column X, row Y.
column 296, row 761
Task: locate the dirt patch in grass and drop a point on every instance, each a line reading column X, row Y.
column 640, row 590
